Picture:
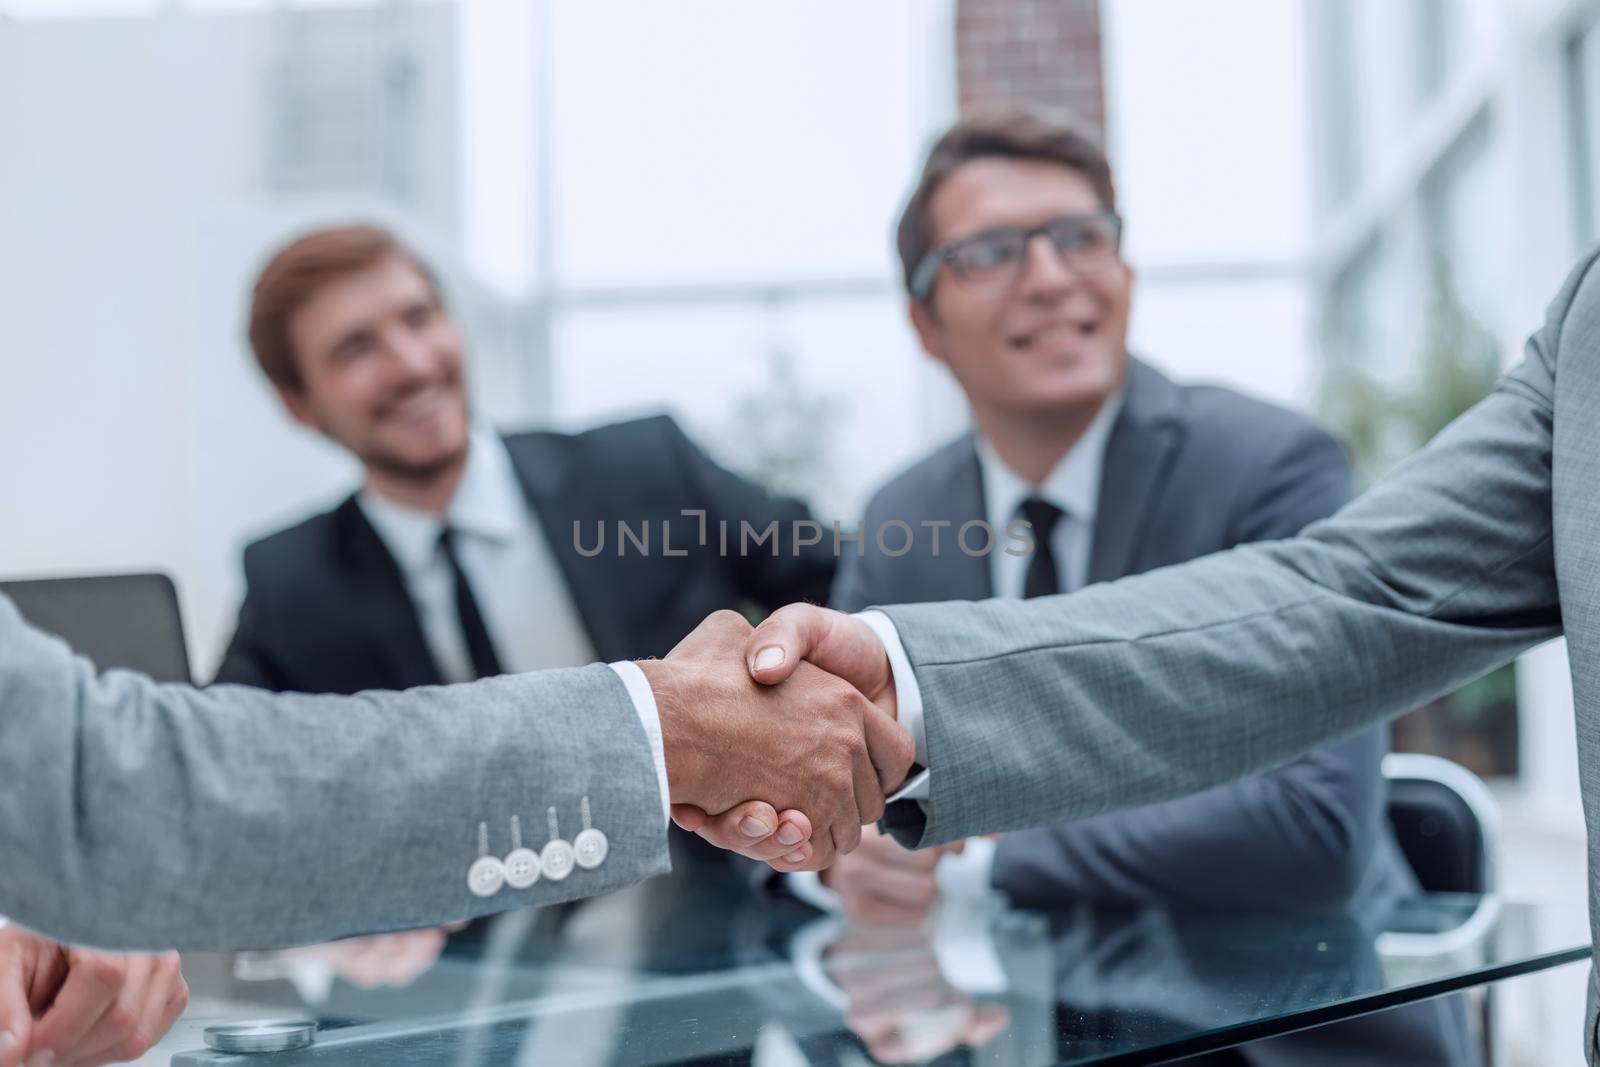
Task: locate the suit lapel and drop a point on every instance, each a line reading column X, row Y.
column 968, row 577
column 1139, row 453
column 553, row 496
column 956, row 498
column 378, row 594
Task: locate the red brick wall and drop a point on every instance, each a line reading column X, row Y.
column 1040, row 53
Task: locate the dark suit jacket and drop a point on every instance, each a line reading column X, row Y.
column 326, row 608
column 1188, row 471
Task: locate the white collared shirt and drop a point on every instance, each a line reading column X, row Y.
column 1073, row 485
column 521, row 592
column 527, row 607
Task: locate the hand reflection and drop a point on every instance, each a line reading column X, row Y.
column 900, row 1004
column 884, row 883
column 396, row 959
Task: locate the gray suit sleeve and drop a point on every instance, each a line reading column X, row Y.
column 137, row 815
column 1168, row 683
column 1303, row 833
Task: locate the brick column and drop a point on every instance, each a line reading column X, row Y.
column 1034, row 53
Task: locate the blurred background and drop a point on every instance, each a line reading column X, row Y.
column 1354, row 207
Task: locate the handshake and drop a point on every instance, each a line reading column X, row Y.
column 781, row 740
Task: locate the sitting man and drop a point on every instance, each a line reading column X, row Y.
column 467, row 553
column 1010, row 246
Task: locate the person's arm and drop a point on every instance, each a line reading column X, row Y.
column 1297, row 836
column 1168, row 683
column 140, row 815
column 1300, row 836
column 137, row 815
column 796, row 572
column 1171, row 682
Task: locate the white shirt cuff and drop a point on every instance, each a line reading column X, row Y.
column 908, row 701
column 968, row 875
column 807, row 887
column 964, row 946
column 644, row 705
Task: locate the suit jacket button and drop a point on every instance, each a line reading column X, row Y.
column 486, row 876
column 522, row 868
column 591, row 847
column 556, row 860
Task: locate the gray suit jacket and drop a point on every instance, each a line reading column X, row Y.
column 1188, row 470
column 1484, row 544
column 137, row 815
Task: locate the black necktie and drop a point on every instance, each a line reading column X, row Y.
column 485, row 663
column 1043, row 579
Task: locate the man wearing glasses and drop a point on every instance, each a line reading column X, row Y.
column 1010, row 246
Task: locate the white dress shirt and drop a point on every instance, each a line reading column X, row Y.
column 1073, row 485
column 527, row 607
column 521, row 592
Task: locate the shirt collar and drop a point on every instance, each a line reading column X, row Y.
column 1073, row 485
column 488, row 503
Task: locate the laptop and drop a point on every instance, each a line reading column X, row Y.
column 117, row 620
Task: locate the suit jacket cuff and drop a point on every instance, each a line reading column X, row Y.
column 644, row 705
column 907, row 695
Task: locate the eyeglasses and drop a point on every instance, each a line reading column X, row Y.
column 1083, row 242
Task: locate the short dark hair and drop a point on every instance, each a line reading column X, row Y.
column 294, row 275
column 1007, row 134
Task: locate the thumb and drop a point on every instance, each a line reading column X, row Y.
column 839, row 644
column 16, row 1017
column 783, row 640
column 687, row 816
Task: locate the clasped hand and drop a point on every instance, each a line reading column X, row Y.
column 781, row 740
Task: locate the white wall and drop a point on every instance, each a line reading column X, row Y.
column 750, row 147
column 140, row 431
column 140, row 211
column 1208, row 135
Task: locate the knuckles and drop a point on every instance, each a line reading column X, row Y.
column 105, row 970
column 121, row 1019
column 135, row 1044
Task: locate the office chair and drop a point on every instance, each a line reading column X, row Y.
column 1445, row 821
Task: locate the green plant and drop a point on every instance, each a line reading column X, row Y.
column 1383, row 422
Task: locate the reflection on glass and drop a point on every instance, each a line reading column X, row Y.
column 698, row 968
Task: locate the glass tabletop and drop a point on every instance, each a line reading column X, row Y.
column 705, row 972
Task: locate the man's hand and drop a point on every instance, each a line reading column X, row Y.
column 885, row 884
column 815, row 744
column 375, row 960
column 754, row 830
column 840, row 644
column 901, row 1006
column 843, row 646
column 62, row 1006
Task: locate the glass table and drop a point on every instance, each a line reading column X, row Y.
column 698, row 971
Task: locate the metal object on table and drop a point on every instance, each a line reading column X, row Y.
column 266, row 1035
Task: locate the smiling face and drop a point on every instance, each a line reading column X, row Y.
column 380, row 370
column 1048, row 341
